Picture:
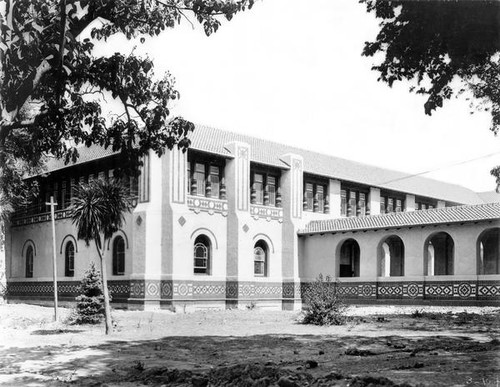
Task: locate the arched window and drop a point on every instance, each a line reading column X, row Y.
column 29, row 262
column 260, row 253
column 349, row 259
column 392, row 257
column 69, row 260
column 438, row 253
column 118, row 256
column 201, row 255
column 488, row 254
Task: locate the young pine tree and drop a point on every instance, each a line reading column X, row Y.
column 90, row 302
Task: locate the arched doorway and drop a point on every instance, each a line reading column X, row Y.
column 439, row 254
column 392, row 257
column 488, row 252
column 349, row 259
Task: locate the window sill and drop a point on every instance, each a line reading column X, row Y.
column 207, row 204
column 266, row 212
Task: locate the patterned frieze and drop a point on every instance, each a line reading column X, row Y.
column 266, row 212
column 210, row 205
column 39, row 218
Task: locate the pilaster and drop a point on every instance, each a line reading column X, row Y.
column 292, row 187
column 335, row 199
column 238, row 219
column 410, row 203
column 374, row 200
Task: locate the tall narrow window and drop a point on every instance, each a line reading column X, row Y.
column 362, row 204
column 271, row 189
column 382, row 205
column 320, row 198
column 201, row 255
column 214, row 181
column 390, row 205
column 118, row 256
column 29, row 262
column 309, row 196
column 343, row 202
column 199, row 176
column 258, row 186
column 399, row 205
column 352, row 203
column 69, row 260
column 260, row 259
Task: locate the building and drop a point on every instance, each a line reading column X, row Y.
column 238, row 220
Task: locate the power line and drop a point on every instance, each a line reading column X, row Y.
column 443, row 167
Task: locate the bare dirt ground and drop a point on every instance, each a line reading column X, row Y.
column 386, row 346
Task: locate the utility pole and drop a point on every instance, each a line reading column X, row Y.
column 52, row 204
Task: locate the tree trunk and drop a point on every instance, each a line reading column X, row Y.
column 107, row 308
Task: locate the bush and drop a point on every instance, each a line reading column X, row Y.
column 324, row 306
column 90, row 302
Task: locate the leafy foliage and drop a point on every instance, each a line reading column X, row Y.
column 437, row 43
column 324, row 306
column 90, row 302
column 99, row 207
column 51, row 85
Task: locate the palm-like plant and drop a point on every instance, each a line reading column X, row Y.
column 99, row 209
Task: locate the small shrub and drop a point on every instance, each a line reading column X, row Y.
column 417, row 313
column 90, row 302
column 323, row 305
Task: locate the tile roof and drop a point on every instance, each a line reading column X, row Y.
column 458, row 214
column 266, row 152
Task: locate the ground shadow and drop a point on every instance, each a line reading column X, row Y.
column 259, row 360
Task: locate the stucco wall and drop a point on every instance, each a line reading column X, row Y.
column 320, row 253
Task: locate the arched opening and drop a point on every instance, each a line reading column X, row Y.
column 349, row 259
column 392, row 257
column 439, row 255
column 29, row 262
column 260, row 259
column 119, row 256
column 488, row 252
column 202, row 255
column 69, row 259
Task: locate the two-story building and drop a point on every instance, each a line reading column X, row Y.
column 237, row 220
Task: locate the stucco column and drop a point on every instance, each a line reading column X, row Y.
column 374, row 200
column 238, row 199
column 147, row 236
column 409, row 203
column 334, row 198
column 292, row 189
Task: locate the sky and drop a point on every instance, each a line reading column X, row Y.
column 291, row 71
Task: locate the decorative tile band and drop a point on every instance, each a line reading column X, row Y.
column 266, row 212
column 38, row 218
column 168, row 290
column 210, row 205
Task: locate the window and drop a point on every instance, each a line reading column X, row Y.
column 199, row 178
column 118, row 256
column 264, row 188
column 69, row 260
column 201, row 255
column 314, row 195
column 309, row 197
column 258, row 186
column 260, row 252
column 204, row 176
column 29, row 262
column 391, row 203
column 352, row 202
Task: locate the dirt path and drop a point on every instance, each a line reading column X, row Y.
column 252, row 348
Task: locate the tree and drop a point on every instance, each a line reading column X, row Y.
column 51, row 82
column 437, row 45
column 90, row 302
column 99, row 208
